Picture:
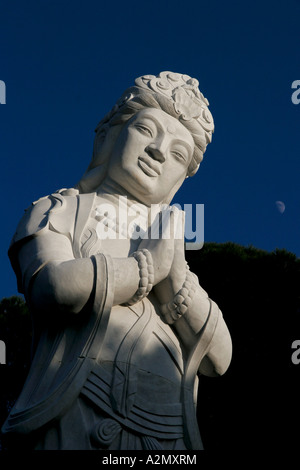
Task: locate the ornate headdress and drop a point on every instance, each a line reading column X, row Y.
column 176, row 94
column 189, row 103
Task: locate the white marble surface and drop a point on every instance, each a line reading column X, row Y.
column 114, row 348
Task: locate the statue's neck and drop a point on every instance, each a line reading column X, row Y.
column 112, row 191
column 114, row 194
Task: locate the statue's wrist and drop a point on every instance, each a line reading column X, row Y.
column 182, row 300
column 177, row 274
column 146, row 274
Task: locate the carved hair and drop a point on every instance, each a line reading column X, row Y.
column 176, row 94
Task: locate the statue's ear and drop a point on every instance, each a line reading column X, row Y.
column 99, row 141
column 104, row 141
column 101, row 134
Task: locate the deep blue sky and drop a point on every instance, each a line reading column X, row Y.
column 65, row 63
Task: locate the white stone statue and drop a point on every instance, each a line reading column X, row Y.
column 122, row 328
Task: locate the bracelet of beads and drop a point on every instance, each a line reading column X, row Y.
column 173, row 310
column 146, row 272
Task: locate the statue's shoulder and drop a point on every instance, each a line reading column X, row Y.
column 37, row 215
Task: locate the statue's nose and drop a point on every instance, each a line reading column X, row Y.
column 156, row 151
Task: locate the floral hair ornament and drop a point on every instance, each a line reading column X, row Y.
column 189, row 103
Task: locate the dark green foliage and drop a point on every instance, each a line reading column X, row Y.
column 16, row 332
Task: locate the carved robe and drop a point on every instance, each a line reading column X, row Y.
column 108, row 377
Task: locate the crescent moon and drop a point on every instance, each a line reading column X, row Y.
column 280, row 206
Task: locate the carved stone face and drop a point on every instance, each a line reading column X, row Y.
column 151, row 156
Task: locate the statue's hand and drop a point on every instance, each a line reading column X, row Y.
column 178, row 269
column 170, row 285
column 162, row 248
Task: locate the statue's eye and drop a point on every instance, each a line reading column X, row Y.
column 144, row 130
column 178, row 155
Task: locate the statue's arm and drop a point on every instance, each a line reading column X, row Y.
column 50, row 276
column 190, row 325
column 189, row 328
column 53, row 278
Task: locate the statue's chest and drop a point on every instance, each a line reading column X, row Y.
column 113, row 229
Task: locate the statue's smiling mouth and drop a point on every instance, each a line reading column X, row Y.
column 149, row 166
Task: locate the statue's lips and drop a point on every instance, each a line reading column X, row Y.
column 148, row 166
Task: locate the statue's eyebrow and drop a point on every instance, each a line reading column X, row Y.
column 160, row 126
column 184, row 144
column 153, row 119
